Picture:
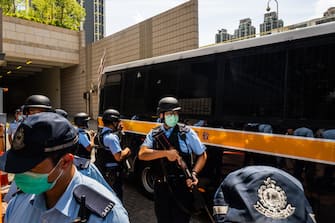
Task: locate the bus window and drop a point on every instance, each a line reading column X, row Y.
column 110, row 93
column 163, row 80
column 254, row 85
column 311, row 83
column 134, row 92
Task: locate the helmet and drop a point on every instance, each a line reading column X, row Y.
column 36, row 101
column 168, row 104
column 111, row 115
column 61, row 112
column 81, row 119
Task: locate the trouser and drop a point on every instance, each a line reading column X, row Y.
column 113, row 177
column 172, row 207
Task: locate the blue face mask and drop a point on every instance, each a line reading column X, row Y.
column 35, row 183
column 171, row 120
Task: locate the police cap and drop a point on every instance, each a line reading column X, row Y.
column 261, row 194
column 36, row 138
column 111, row 115
column 168, row 104
column 37, row 101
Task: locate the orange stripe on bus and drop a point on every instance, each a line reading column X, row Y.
column 317, row 150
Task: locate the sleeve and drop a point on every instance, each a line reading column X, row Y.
column 194, row 142
column 112, row 142
column 83, row 140
column 149, row 142
column 10, row 129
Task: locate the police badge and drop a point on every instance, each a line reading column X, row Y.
column 272, row 201
column 18, row 142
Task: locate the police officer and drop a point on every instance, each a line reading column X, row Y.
column 168, row 145
column 35, row 104
column 109, row 153
column 39, row 103
column 61, row 112
column 54, row 191
column 86, row 137
column 14, row 124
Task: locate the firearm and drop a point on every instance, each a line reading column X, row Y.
column 162, row 140
column 198, row 200
column 124, row 143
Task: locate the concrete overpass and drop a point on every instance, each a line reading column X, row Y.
column 35, row 54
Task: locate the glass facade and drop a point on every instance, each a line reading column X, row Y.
column 94, row 20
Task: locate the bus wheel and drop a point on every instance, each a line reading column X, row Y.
column 146, row 181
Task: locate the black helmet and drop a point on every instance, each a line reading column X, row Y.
column 81, row 119
column 61, row 112
column 168, row 104
column 111, row 115
column 36, row 101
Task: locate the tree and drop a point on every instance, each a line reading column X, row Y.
column 64, row 13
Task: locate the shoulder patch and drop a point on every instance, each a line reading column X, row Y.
column 97, row 203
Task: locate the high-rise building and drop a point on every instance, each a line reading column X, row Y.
column 245, row 29
column 271, row 22
column 328, row 16
column 222, row 36
column 94, row 19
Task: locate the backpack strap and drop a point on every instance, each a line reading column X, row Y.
column 92, row 201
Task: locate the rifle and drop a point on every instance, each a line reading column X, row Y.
column 162, row 140
column 199, row 202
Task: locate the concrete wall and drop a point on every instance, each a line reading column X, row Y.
column 171, row 31
column 24, row 39
column 48, row 83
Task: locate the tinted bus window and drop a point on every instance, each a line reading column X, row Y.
column 197, row 91
column 163, row 81
column 254, row 85
column 110, row 94
column 311, row 82
column 134, row 100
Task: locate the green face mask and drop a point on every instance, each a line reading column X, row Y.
column 171, row 120
column 35, row 183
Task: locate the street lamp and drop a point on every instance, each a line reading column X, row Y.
column 268, row 8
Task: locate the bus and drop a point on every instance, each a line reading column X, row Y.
column 285, row 81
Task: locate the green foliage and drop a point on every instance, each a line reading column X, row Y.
column 62, row 13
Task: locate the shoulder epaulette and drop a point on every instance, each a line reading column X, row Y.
column 184, row 128
column 95, row 202
column 81, row 163
column 156, row 130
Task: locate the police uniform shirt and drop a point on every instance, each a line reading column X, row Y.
column 192, row 140
column 93, row 172
column 32, row 208
column 111, row 141
column 83, row 138
column 13, row 126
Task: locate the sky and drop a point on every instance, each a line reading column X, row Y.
column 214, row 14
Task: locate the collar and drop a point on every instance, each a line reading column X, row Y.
column 104, row 129
column 64, row 204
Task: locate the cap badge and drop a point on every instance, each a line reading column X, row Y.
column 272, row 201
column 18, row 142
